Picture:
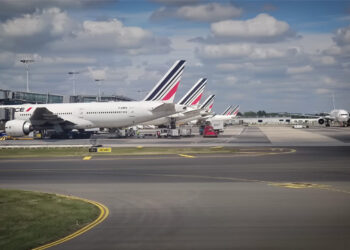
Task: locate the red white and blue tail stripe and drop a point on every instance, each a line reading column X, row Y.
column 231, row 110
column 228, row 110
column 166, row 88
column 235, row 111
column 194, row 95
column 208, row 103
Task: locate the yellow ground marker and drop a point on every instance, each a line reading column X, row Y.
column 104, row 212
column 139, row 147
column 275, row 184
column 217, row 147
column 298, row 185
column 86, row 158
column 187, row 156
column 104, row 150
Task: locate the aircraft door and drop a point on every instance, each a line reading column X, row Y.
column 81, row 113
column 131, row 114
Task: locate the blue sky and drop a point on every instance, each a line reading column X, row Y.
column 264, row 55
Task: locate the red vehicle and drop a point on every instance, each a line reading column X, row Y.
column 209, row 131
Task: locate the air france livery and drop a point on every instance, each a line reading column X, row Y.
column 230, row 113
column 189, row 102
column 64, row 117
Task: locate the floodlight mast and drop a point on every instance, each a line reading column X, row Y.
column 26, row 62
column 74, row 86
column 99, row 82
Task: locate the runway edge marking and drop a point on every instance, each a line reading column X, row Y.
column 104, row 212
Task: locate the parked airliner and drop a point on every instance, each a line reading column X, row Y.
column 336, row 115
column 64, row 117
column 190, row 103
column 230, row 113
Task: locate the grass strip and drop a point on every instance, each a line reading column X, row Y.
column 31, row 219
column 66, row 152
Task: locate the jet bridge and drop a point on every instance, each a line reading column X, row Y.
column 6, row 114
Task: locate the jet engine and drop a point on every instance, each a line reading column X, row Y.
column 18, row 128
column 321, row 121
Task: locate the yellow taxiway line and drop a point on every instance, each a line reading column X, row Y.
column 186, row 156
column 294, row 185
column 104, row 212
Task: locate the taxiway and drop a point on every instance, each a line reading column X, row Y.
column 298, row 200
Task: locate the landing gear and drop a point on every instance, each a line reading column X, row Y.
column 172, row 123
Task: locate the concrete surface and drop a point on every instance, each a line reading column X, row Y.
column 207, row 202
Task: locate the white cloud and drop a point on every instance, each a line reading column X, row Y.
column 262, row 26
column 114, row 29
column 322, row 91
column 231, row 80
column 34, row 30
column 98, row 74
column 342, row 36
column 209, row 12
column 234, row 50
column 299, row 70
column 229, row 67
column 176, row 2
column 111, row 36
column 52, row 21
column 68, row 60
column 54, row 29
column 11, row 8
column 328, row 80
column 328, row 60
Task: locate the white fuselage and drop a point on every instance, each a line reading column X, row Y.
column 99, row 114
column 188, row 114
column 339, row 115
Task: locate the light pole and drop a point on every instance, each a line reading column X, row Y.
column 73, row 73
column 26, row 62
column 99, row 83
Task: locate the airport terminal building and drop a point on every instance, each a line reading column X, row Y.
column 9, row 97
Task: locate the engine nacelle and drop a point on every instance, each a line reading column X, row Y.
column 321, row 121
column 18, row 128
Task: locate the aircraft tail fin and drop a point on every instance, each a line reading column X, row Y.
column 166, row 88
column 194, row 95
column 208, row 103
column 235, row 111
column 227, row 110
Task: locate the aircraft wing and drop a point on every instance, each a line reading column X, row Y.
column 44, row 118
column 329, row 118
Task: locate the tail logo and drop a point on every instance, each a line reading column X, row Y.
column 166, row 88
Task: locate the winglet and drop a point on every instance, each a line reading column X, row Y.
column 166, row 88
